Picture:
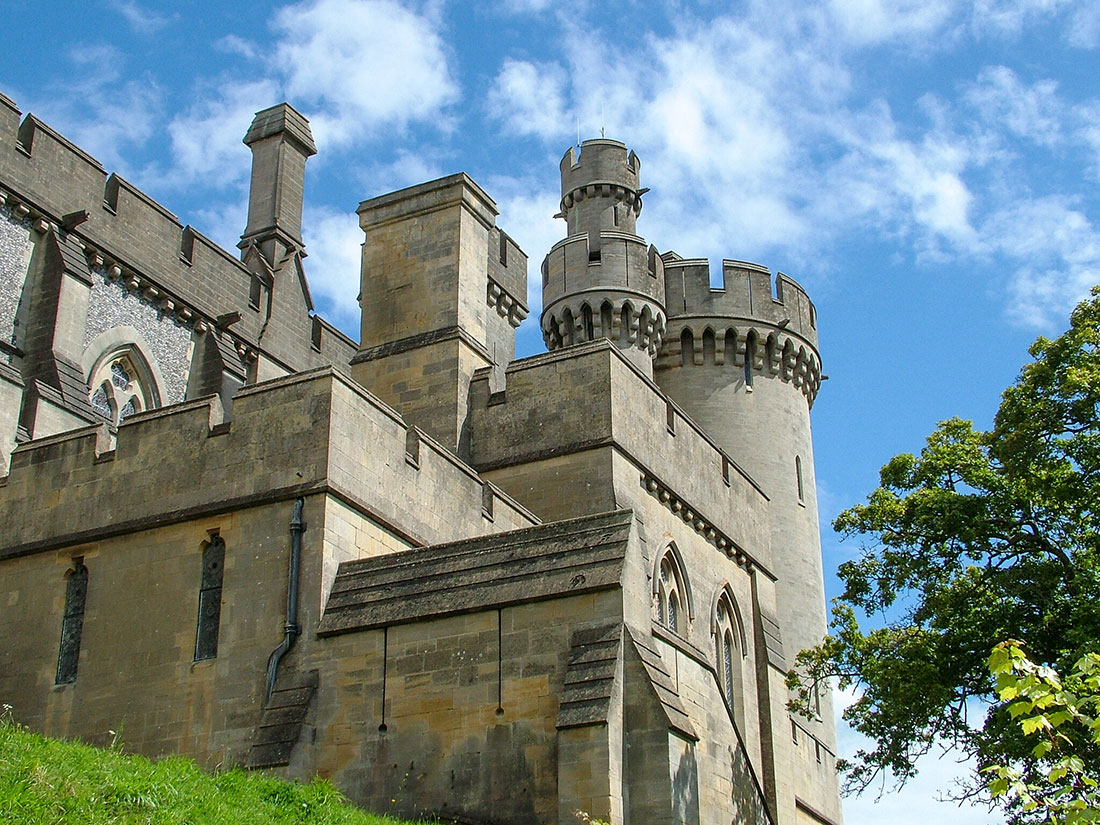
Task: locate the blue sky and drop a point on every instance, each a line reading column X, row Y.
column 928, row 169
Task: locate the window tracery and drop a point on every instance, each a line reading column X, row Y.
column 671, row 596
column 728, row 655
column 119, row 388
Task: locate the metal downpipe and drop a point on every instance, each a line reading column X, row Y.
column 291, row 630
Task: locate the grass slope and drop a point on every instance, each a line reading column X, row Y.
column 48, row 781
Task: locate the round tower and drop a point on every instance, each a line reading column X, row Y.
column 743, row 361
column 602, row 280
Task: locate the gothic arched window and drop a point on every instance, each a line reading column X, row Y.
column 728, row 655
column 120, row 387
column 672, row 598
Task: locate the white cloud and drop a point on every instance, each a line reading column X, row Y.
column 141, row 18
column 1083, row 29
column 362, row 65
column 1034, row 112
column 103, row 111
column 233, row 44
column 530, row 99
column 874, row 21
column 334, row 243
column 354, row 67
column 1011, row 16
column 206, row 141
column 1056, row 252
column 526, row 6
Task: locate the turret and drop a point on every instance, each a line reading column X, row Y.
column 602, row 280
column 743, row 361
column 281, row 141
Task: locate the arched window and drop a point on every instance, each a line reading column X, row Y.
column 121, row 386
column 728, row 654
column 72, row 624
column 672, row 599
column 210, row 599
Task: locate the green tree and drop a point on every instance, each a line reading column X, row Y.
column 1055, row 716
column 984, row 536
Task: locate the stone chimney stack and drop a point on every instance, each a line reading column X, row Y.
column 280, row 140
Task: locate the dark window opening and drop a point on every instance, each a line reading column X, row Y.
column 589, row 327
column 798, row 477
column 210, row 599
column 750, row 356
column 72, row 625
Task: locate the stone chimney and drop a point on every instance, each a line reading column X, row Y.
column 280, row 141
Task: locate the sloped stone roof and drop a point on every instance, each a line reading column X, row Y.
column 663, row 686
column 590, row 677
column 540, row 562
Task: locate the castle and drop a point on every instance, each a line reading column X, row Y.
column 455, row 583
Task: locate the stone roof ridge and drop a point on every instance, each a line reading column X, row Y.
column 533, row 563
column 523, row 535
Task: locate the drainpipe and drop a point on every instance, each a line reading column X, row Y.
column 291, row 630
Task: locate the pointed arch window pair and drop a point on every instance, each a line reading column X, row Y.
column 729, row 653
column 670, row 605
column 672, row 600
column 120, row 386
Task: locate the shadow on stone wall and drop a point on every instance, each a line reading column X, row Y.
column 747, row 806
column 685, row 789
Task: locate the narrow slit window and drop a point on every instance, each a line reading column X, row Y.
column 798, row 478
column 750, row 356
column 210, row 599
column 72, row 624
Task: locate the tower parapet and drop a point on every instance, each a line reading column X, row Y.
column 742, row 319
column 603, row 280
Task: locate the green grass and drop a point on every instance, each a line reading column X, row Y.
column 49, row 781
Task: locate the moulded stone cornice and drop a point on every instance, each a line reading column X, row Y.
column 704, row 527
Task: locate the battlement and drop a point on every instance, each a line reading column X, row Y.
column 599, row 161
column 746, row 294
column 593, row 396
column 50, row 182
column 310, row 433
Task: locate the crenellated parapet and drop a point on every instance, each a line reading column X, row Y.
column 603, row 280
column 311, row 433
column 603, row 176
column 135, row 240
column 742, row 325
column 621, row 302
